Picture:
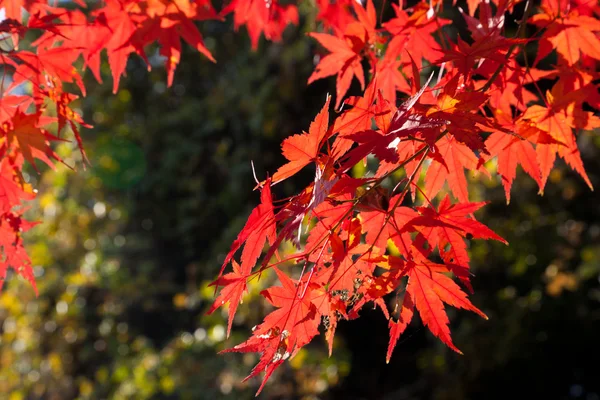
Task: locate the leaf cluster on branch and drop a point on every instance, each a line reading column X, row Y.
column 400, row 243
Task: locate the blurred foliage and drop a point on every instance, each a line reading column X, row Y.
column 127, row 247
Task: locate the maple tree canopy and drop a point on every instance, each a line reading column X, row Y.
column 431, row 106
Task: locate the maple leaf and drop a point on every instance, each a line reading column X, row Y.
column 302, row 149
column 83, row 35
column 566, row 31
column 332, row 308
column 12, row 226
column 233, row 286
column 117, row 29
column 343, row 61
column 259, row 227
column 32, row 141
column 398, row 327
column 449, row 225
column 388, row 77
column 13, row 188
column 47, row 68
column 429, row 290
column 451, row 158
column 558, row 119
column 460, row 111
column 335, row 14
column 574, row 85
column 490, row 47
column 414, row 33
column 486, row 24
column 259, row 16
column 367, row 17
column 514, row 150
column 381, row 224
column 402, row 123
column 356, row 119
column 508, row 88
column 171, row 20
column 10, row 104
column 284, row 331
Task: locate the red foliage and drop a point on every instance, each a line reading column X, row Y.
column 366, row 240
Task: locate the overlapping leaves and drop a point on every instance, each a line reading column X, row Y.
column 368, row 241
column 359, row 239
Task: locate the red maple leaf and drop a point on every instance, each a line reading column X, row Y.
column 388, row 77
column 12, row 226
column 567, row 32
column 302, row 149
column 381, row 224
column 451, row 158
column 347, row 49
column 335, row 14
column 508, row 88
column 82, row 34
column 344, row 60
column 13, row 188
column 558, row 119
column 449, row 226
column 259, row 16
column 490, row 47
column 398, row 327
column 26, row 136
column 47, row 68
column 172, row 21
column 233, row 286
column 460, row 111
column 259, row 227
column 513, row 150
column 284, row 331
column 429, row 288
column 414, row 32
column 356, row 119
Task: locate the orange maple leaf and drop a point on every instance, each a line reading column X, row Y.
column 558, row 119
column 566, row 31
column 28, row 138
column 304, row 148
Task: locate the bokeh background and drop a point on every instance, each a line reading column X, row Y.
column 127, row 247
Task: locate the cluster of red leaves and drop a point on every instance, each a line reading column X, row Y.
column 42, row 76
column 360, row 240
column 38, row 76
